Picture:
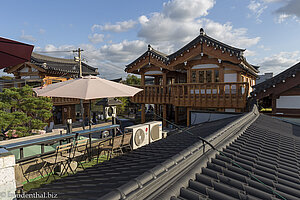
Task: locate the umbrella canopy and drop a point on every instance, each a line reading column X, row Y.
column 87, row 88
column 13, row 53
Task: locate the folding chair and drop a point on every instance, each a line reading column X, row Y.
column 80, row 152
column 103, row 146
column 37, row 165
column 114, row 147
column 127, row 141
column 62, row 156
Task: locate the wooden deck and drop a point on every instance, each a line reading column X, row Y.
column 209, row 95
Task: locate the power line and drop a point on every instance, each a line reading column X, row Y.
column 69, row 51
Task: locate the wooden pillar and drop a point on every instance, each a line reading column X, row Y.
column 188, row 78
column 143, row 117
column 221, row 73
column 188, row 116
column 176, row 114
column 142, row 79
column 273, row 105
column 164, row 115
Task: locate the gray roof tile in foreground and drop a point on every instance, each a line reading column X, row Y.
column 269, row 150
column 100, row 179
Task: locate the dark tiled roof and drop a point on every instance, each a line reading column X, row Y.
column 289, row 73
column 105, row 177
column 201, row 39
column 269, row 150
column 61, row 65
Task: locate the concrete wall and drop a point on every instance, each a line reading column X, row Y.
column 198, row 117
column 7, row 175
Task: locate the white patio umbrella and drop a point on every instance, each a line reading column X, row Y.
column 87, row 88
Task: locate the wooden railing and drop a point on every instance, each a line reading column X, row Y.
column 209, row 95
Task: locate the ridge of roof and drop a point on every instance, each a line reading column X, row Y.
column 51, row 59
column 290, row 72
column 205, row 38
column 199, row 39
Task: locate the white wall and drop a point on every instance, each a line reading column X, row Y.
column 7, row 175
column 230, row 77
column 288, row 102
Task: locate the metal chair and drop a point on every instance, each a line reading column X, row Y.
column 80, row 152
column 114, row 147
column 62, row 157
column 126, row 143
column 37, row 165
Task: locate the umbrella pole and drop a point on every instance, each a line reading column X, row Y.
column 90, row 119
column 81, row 110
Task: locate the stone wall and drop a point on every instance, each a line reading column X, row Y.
column 7, row 175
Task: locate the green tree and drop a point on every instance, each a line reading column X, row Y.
column 132, row 80
column 22, row 112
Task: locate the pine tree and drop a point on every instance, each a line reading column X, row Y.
column 21, row 111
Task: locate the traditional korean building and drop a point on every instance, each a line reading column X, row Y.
column 281, row 93
column 205, row 74
column 44, row 70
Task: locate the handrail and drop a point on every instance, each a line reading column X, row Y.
column 220, row 94
column 56, row 138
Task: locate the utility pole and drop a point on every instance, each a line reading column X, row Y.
column 79, row 60
column 80, row 76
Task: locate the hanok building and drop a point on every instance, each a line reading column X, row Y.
column 44, row 70
column 281, row 93
column 205, row 74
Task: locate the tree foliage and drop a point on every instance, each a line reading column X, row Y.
column 132, row 80
column 21, row 112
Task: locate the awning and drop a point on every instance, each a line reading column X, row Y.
column 13, row 53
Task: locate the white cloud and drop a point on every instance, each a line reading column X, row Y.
column 96, row 38
column 29, row 38
column 118, row 27
column 95, row 26
column 186, row 10
column 257, row 8
column 291, row 9
column 177, row 29
column 279, row 62
column 249, row 53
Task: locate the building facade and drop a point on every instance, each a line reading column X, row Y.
column 281, row 93
column 205, row 74
column 44, row 70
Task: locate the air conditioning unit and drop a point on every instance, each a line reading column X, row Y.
column 110, row 111
column 155, row 130
column 140, row 136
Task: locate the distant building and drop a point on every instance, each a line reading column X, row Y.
column 263, row 77
column 282, row 92
column 44, row 70
column 205, row 74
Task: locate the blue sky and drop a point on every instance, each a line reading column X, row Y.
column 113, row 33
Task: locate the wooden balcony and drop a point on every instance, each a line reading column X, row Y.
column 207, row 95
